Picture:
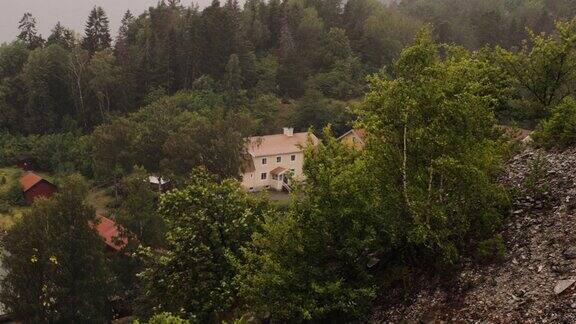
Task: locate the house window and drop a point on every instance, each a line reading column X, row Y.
column 263, row 176
column 264, row 160
column 278, row 159
column 293, row 157
column 251, row 175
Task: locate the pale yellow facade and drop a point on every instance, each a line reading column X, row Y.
column 353, row 138
column 277, row 160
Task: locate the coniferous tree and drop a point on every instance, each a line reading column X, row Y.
column 29, row 32
column 97, row 32
column 123, row 39
column 233, row 77
column 61, row 36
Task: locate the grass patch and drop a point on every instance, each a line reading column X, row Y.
column 99, row 199
column 11, row 176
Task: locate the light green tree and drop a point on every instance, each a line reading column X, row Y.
column 207, row 222
column 544, row 68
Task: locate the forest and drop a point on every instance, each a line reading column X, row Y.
column 177, row 90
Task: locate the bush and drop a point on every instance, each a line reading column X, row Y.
column 64, row 153
column 164, row 318
column 535, row 183
column 14, row 196
column 559, row 130
column 4, row 206
column 491, row 249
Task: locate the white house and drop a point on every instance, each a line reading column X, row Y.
column 275, row 159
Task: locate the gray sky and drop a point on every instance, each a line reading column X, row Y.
column 72, row 13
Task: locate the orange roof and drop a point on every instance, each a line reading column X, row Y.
column 108, row 230
column 29, row 180
column 278, row 144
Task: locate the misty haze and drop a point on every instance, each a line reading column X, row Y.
column 287, row 161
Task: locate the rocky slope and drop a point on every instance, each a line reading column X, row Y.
column 536, row 282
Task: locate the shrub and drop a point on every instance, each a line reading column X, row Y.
column 4, row 206
column 14, row 196
column 559, row 130
column 535, row 183
column 164, row 318
column 492, row 249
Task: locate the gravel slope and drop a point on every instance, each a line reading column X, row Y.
column 540, row 260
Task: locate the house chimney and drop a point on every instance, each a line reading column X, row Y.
column 288, row 131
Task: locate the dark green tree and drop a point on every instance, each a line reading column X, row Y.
column 29, row 32
column 55, row 260
column 49, row 99
column 97, row 31
column 138, row 208
column 61, row 36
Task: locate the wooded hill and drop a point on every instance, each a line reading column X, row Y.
column 318, row 49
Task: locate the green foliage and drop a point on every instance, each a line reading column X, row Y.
column 49, row 97
column 172, row 136
column 97, row 36
column 435, row 151
column 14, row 196
column 492, row 249
column 315, row 111
column 55, row 261
column 137, row 210
column 164, row 318
column 29, row 32
column 207, row 222
column 544, row 68
column 57, row 153
column 535, row 183
column 422, row 192
column 558, row 130
column 310, row 263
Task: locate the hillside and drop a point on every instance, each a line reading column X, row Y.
column 540, row 257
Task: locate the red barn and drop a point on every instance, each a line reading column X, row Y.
column 109, row 231
column 34, row 186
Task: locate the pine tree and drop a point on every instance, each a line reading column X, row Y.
column 61, row 36
column 29, row 32
column 97, row 31
column 233, row 77
column 123, row 39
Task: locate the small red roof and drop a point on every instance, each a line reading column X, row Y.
column 108, row 230
column 29, row 180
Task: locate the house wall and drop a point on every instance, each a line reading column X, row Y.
column 41, row 189
column 252, row 180
column 352, row 140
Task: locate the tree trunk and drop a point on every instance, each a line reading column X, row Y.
column 404, row 164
